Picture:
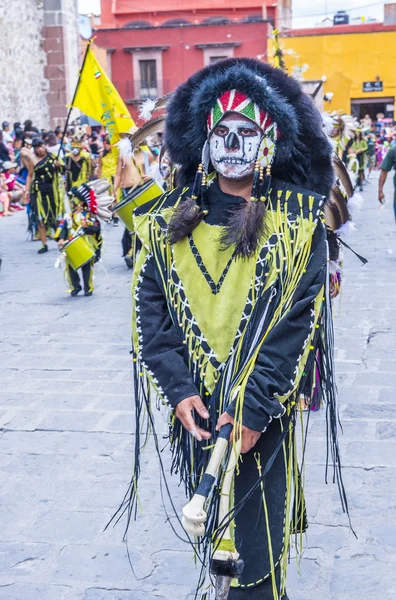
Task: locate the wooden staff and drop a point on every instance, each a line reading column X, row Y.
column 225, row 564
column 194, row 516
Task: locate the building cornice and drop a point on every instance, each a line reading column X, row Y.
column 218, row 45
column 132, row 49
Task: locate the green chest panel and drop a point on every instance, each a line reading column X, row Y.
column 215, row 285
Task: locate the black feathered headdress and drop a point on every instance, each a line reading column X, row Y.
column 303, row 154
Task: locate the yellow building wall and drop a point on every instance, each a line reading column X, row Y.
column 347, row 60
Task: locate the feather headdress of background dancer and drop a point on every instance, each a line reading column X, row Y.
column 231, row 305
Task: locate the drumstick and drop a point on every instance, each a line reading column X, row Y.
column 194, row 516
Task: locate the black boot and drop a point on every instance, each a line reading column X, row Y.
column 43, row 249
column 76, row 291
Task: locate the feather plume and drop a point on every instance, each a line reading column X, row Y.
column 328, row 124
column 343, row 175
column 105, row 200
column 104, row 214
column 334, row 267
column 147, row 109
column 99, row 185
column 355, row 203
column 125, row 147
column 154, row 126
column 347, row 229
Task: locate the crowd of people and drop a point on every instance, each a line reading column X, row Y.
column 43, row 171
column 367, row 150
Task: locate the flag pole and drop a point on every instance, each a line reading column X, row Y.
column 74, row 95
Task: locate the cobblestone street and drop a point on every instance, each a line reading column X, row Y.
column 66, row 442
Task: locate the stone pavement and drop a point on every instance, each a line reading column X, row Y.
column 66, row 438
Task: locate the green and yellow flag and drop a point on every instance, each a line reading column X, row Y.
column 97, row 98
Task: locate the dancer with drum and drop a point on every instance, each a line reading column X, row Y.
column 132, row 171
column 79, row 235
column 45, row 191
column 230, row 305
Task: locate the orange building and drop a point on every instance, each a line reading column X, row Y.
column 150, row 52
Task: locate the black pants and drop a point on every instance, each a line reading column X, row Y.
column 87, row 273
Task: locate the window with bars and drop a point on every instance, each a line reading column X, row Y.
column 148, row 78
column 215, row 59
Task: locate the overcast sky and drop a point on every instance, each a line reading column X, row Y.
column 305, row 12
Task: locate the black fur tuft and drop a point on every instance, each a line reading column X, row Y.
column 226, row 568
column 303, row 154
column 245, row 228
column 184, row 220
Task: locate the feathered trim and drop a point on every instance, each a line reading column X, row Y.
column 147, row 109
column 347, row 229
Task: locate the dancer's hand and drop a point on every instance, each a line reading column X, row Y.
column 184, row 412
column 249, row 436
column 381, row 197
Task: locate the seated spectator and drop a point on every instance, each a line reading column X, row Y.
column 4, row 198
column 15, row 190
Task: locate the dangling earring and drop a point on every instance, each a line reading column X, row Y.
column 204, row 195
column 266, row 184
column 256, row 183
column 196, row 191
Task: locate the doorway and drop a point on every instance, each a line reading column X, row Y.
column 360, row 107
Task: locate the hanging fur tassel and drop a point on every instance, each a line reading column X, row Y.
column 245, row 229
column 185, row 219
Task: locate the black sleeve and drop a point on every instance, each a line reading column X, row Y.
column 92, row 229
column 161, row 346
column 275, row 369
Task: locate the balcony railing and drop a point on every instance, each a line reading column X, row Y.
column 135, row 90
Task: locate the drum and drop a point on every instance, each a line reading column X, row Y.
column 78, row 252
column 137, row 197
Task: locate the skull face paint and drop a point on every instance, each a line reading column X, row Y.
column 234, row 145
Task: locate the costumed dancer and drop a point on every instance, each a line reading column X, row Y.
column 79, row 167
column 231, row 304
column 360, row 148
column 338, row 212
column 388, row 163
column 88, row 202
column 108, row 163
column 45, row 191
column 344, row 131
column 132, row 171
